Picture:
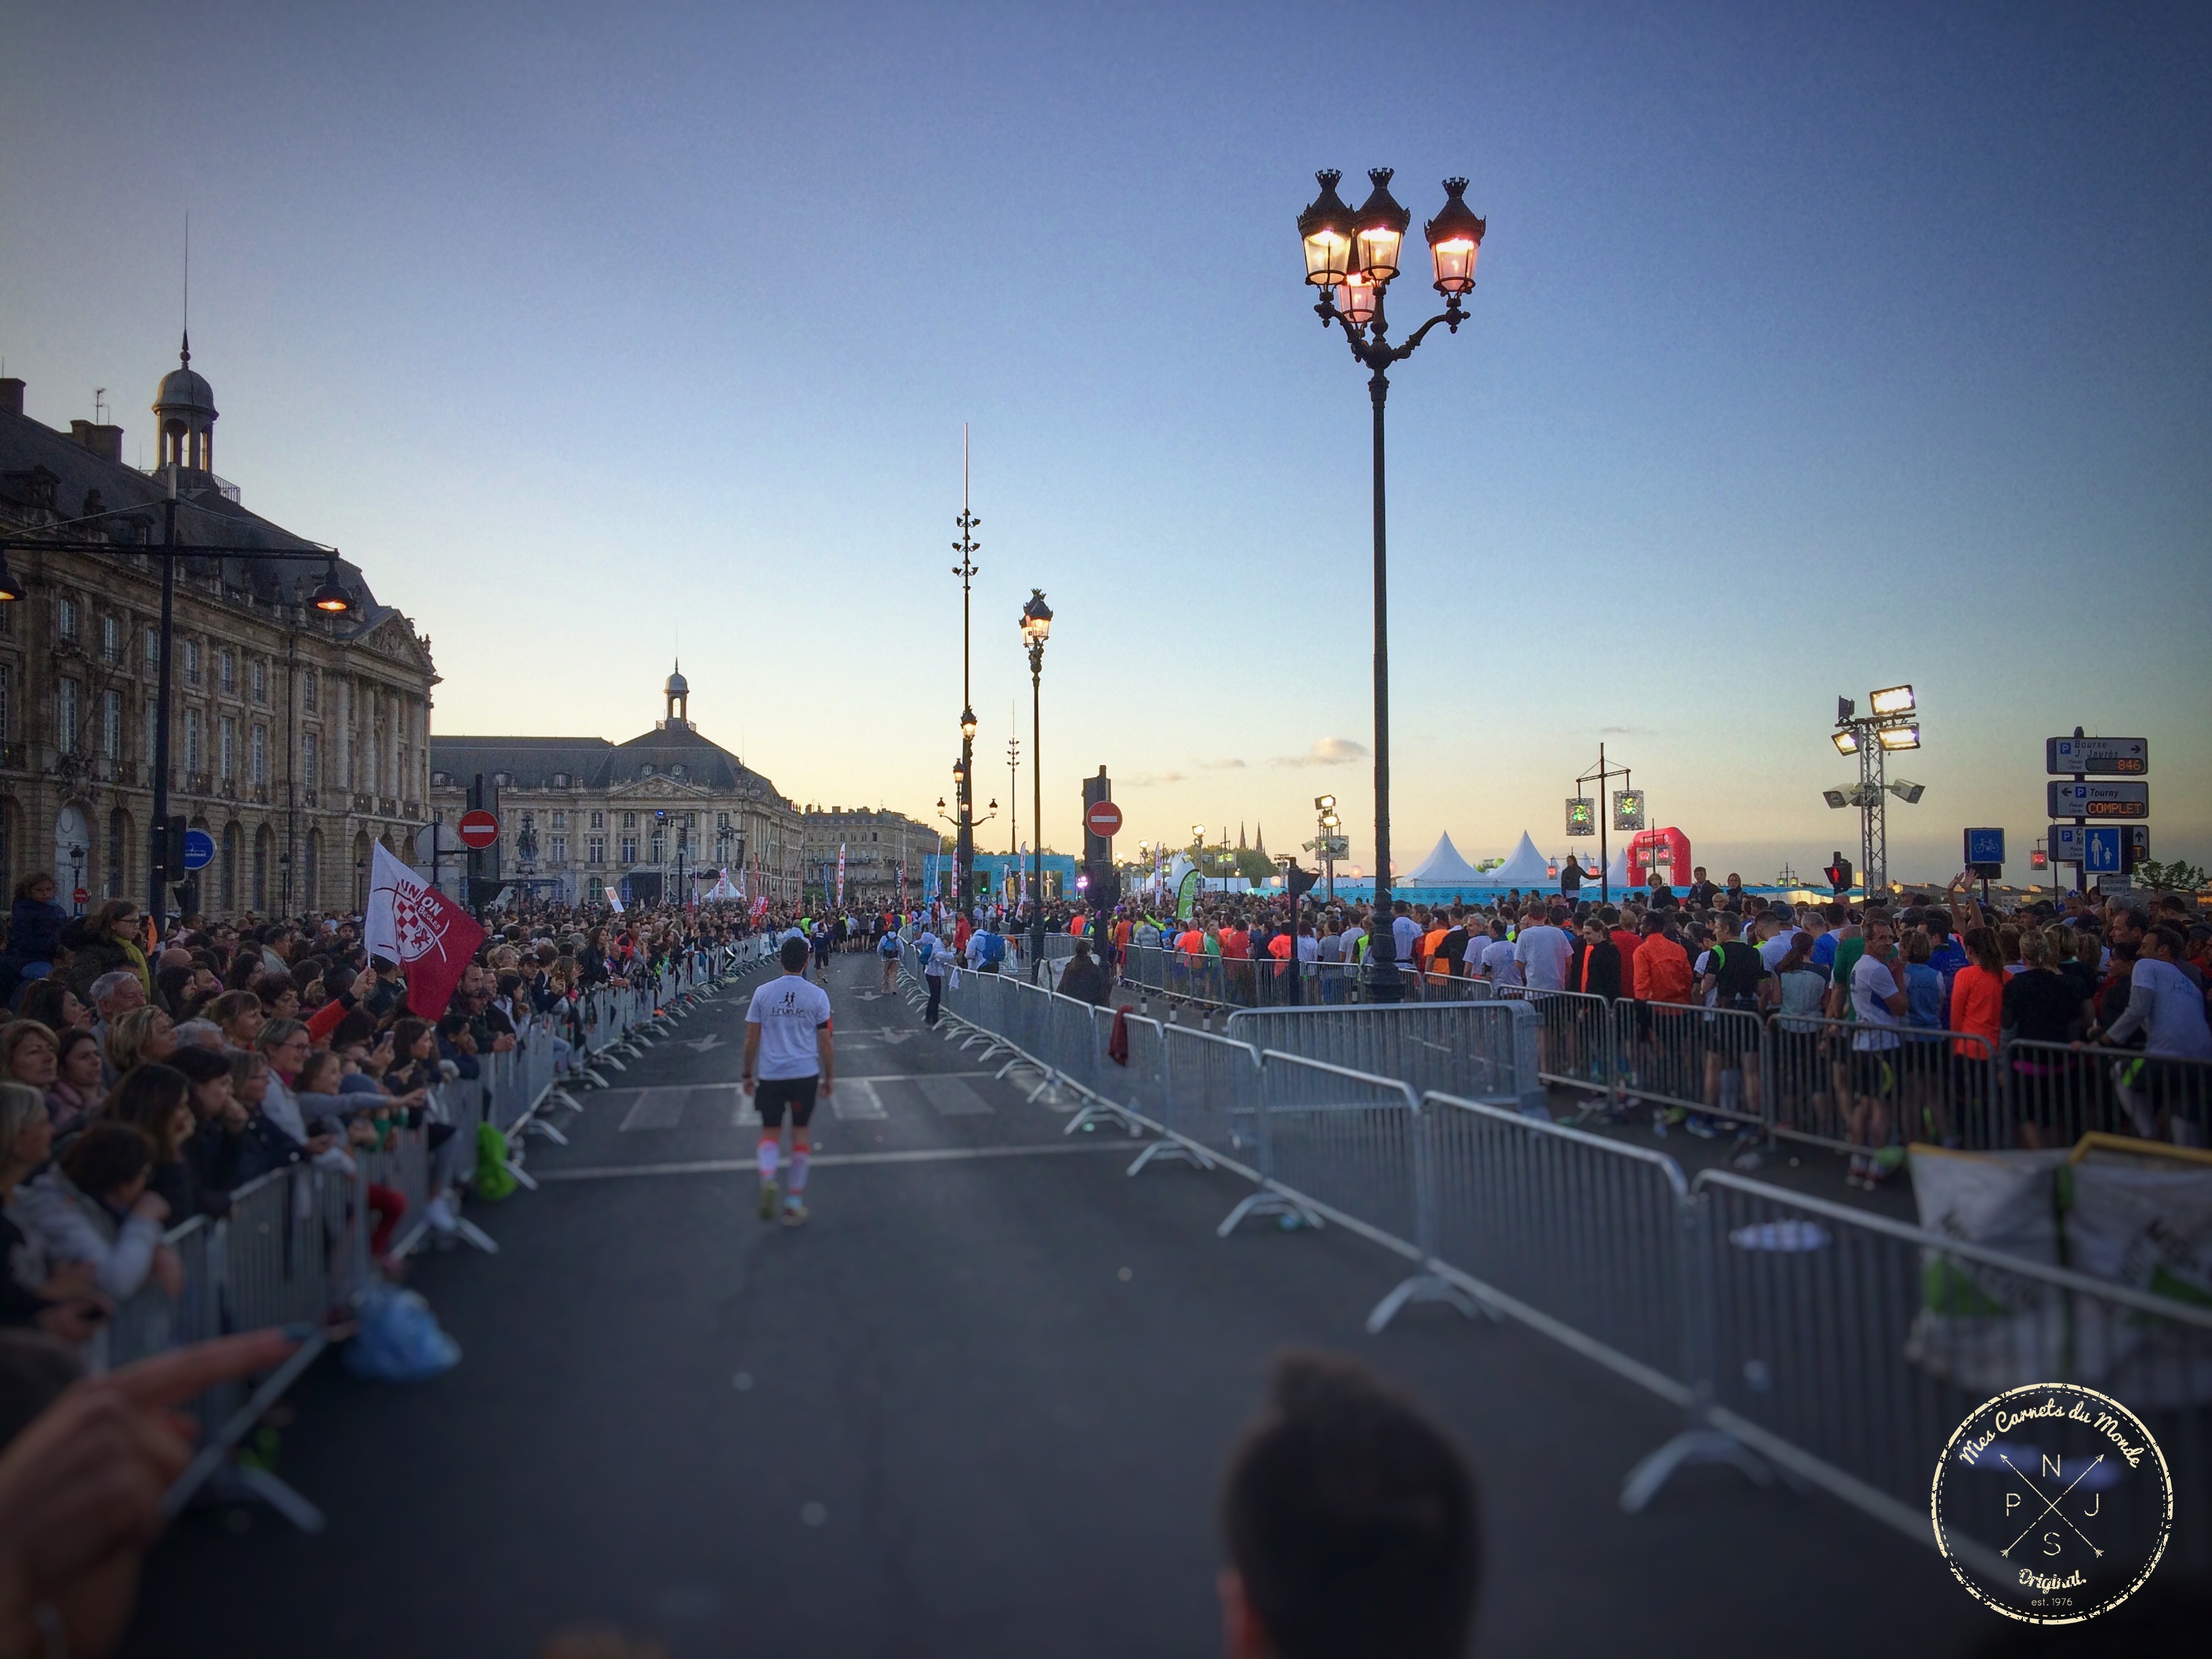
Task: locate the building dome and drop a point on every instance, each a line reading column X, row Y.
column 676, row 686
column 185, row 415
column 184, row 389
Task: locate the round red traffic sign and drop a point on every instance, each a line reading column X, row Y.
column 81, row 896
column 478, row 828
column 1104, row 819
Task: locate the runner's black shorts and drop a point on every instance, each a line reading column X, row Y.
column 772, row 1094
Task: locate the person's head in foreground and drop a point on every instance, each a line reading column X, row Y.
column 1349, row 1521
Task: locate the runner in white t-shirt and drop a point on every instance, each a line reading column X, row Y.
column 1543, row 951
column 787, row 1063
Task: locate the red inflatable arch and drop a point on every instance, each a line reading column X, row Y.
column 1668, row 848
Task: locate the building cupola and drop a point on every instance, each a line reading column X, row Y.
column 185, row 415
column 679, row 703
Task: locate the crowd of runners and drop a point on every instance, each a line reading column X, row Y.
column 1898, row 1018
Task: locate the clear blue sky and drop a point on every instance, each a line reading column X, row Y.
column 1812, row 353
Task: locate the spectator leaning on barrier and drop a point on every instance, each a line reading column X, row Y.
column 64, row 1300
column 94, row 1206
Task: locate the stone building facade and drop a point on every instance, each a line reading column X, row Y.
column 878, row 845
column 296, row 738
column 581, row 814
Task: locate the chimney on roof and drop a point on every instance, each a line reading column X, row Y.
column 104, row 441
column 11, row 396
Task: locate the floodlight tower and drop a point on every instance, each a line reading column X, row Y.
column 1892, row 724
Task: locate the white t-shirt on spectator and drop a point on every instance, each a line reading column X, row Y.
column 1404, row 935
column 1542, row 951
column 789, row 1010
column 1871, row 981
column 1498, row 962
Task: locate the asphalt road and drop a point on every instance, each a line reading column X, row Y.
column 979, row 1406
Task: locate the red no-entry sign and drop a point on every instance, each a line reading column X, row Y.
column 1104, row 819
column 478, row 828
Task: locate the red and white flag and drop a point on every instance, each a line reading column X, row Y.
column 413, row 924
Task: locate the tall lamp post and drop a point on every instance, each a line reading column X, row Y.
column 1352, row 259
column 963, row 843
column 330, row 596
column 1036, row 627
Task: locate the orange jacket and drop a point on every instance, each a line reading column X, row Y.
column 1662, row 970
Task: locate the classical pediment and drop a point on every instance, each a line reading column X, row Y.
column 659, row 787
column 395, row 640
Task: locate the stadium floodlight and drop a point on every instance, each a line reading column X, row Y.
column 1894, row 737
column 1892, row 700
column 1835, row 797
column 1847, row 742
column 1325, row 803
column 1844, row 709
column 1910, row 793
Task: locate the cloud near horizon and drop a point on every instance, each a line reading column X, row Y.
column 1327, row 751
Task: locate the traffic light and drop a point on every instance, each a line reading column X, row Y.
column 172, row 848
column 2134, row 847
column 1838, row 873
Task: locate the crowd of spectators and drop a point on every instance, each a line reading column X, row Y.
column 1887, row 1016
column 142, row 1084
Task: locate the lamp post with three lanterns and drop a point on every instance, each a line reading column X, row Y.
column 1036, row 627
column 1352, row 256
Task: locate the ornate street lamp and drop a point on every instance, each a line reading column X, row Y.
column 1036, row 627
column 1352, row 258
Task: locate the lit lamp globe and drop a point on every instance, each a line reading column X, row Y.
column 1036, row 618
column 1325, row 228
column 1455, row 240
column 329, row 596
column 1379, row 229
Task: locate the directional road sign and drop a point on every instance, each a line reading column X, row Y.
column 2097, row 757
column 199, row 849
column 2100, row 800
column 1103, row 819
column 2066, row 842
column 2104, row 849
column 480, row 828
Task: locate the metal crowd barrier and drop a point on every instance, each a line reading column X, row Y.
column 1269, row 982
column 1486, row 1051
column 1837, row 1345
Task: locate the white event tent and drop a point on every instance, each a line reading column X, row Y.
column 1527, row 867
column 1443, row 867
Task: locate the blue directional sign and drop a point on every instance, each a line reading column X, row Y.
column 199, row 849
column 2102, row 849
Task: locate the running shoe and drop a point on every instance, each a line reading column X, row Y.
column 1701, row 1127
column 768, row 1200
column 794, row 1214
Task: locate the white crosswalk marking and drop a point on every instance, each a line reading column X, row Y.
column 854, row 1099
